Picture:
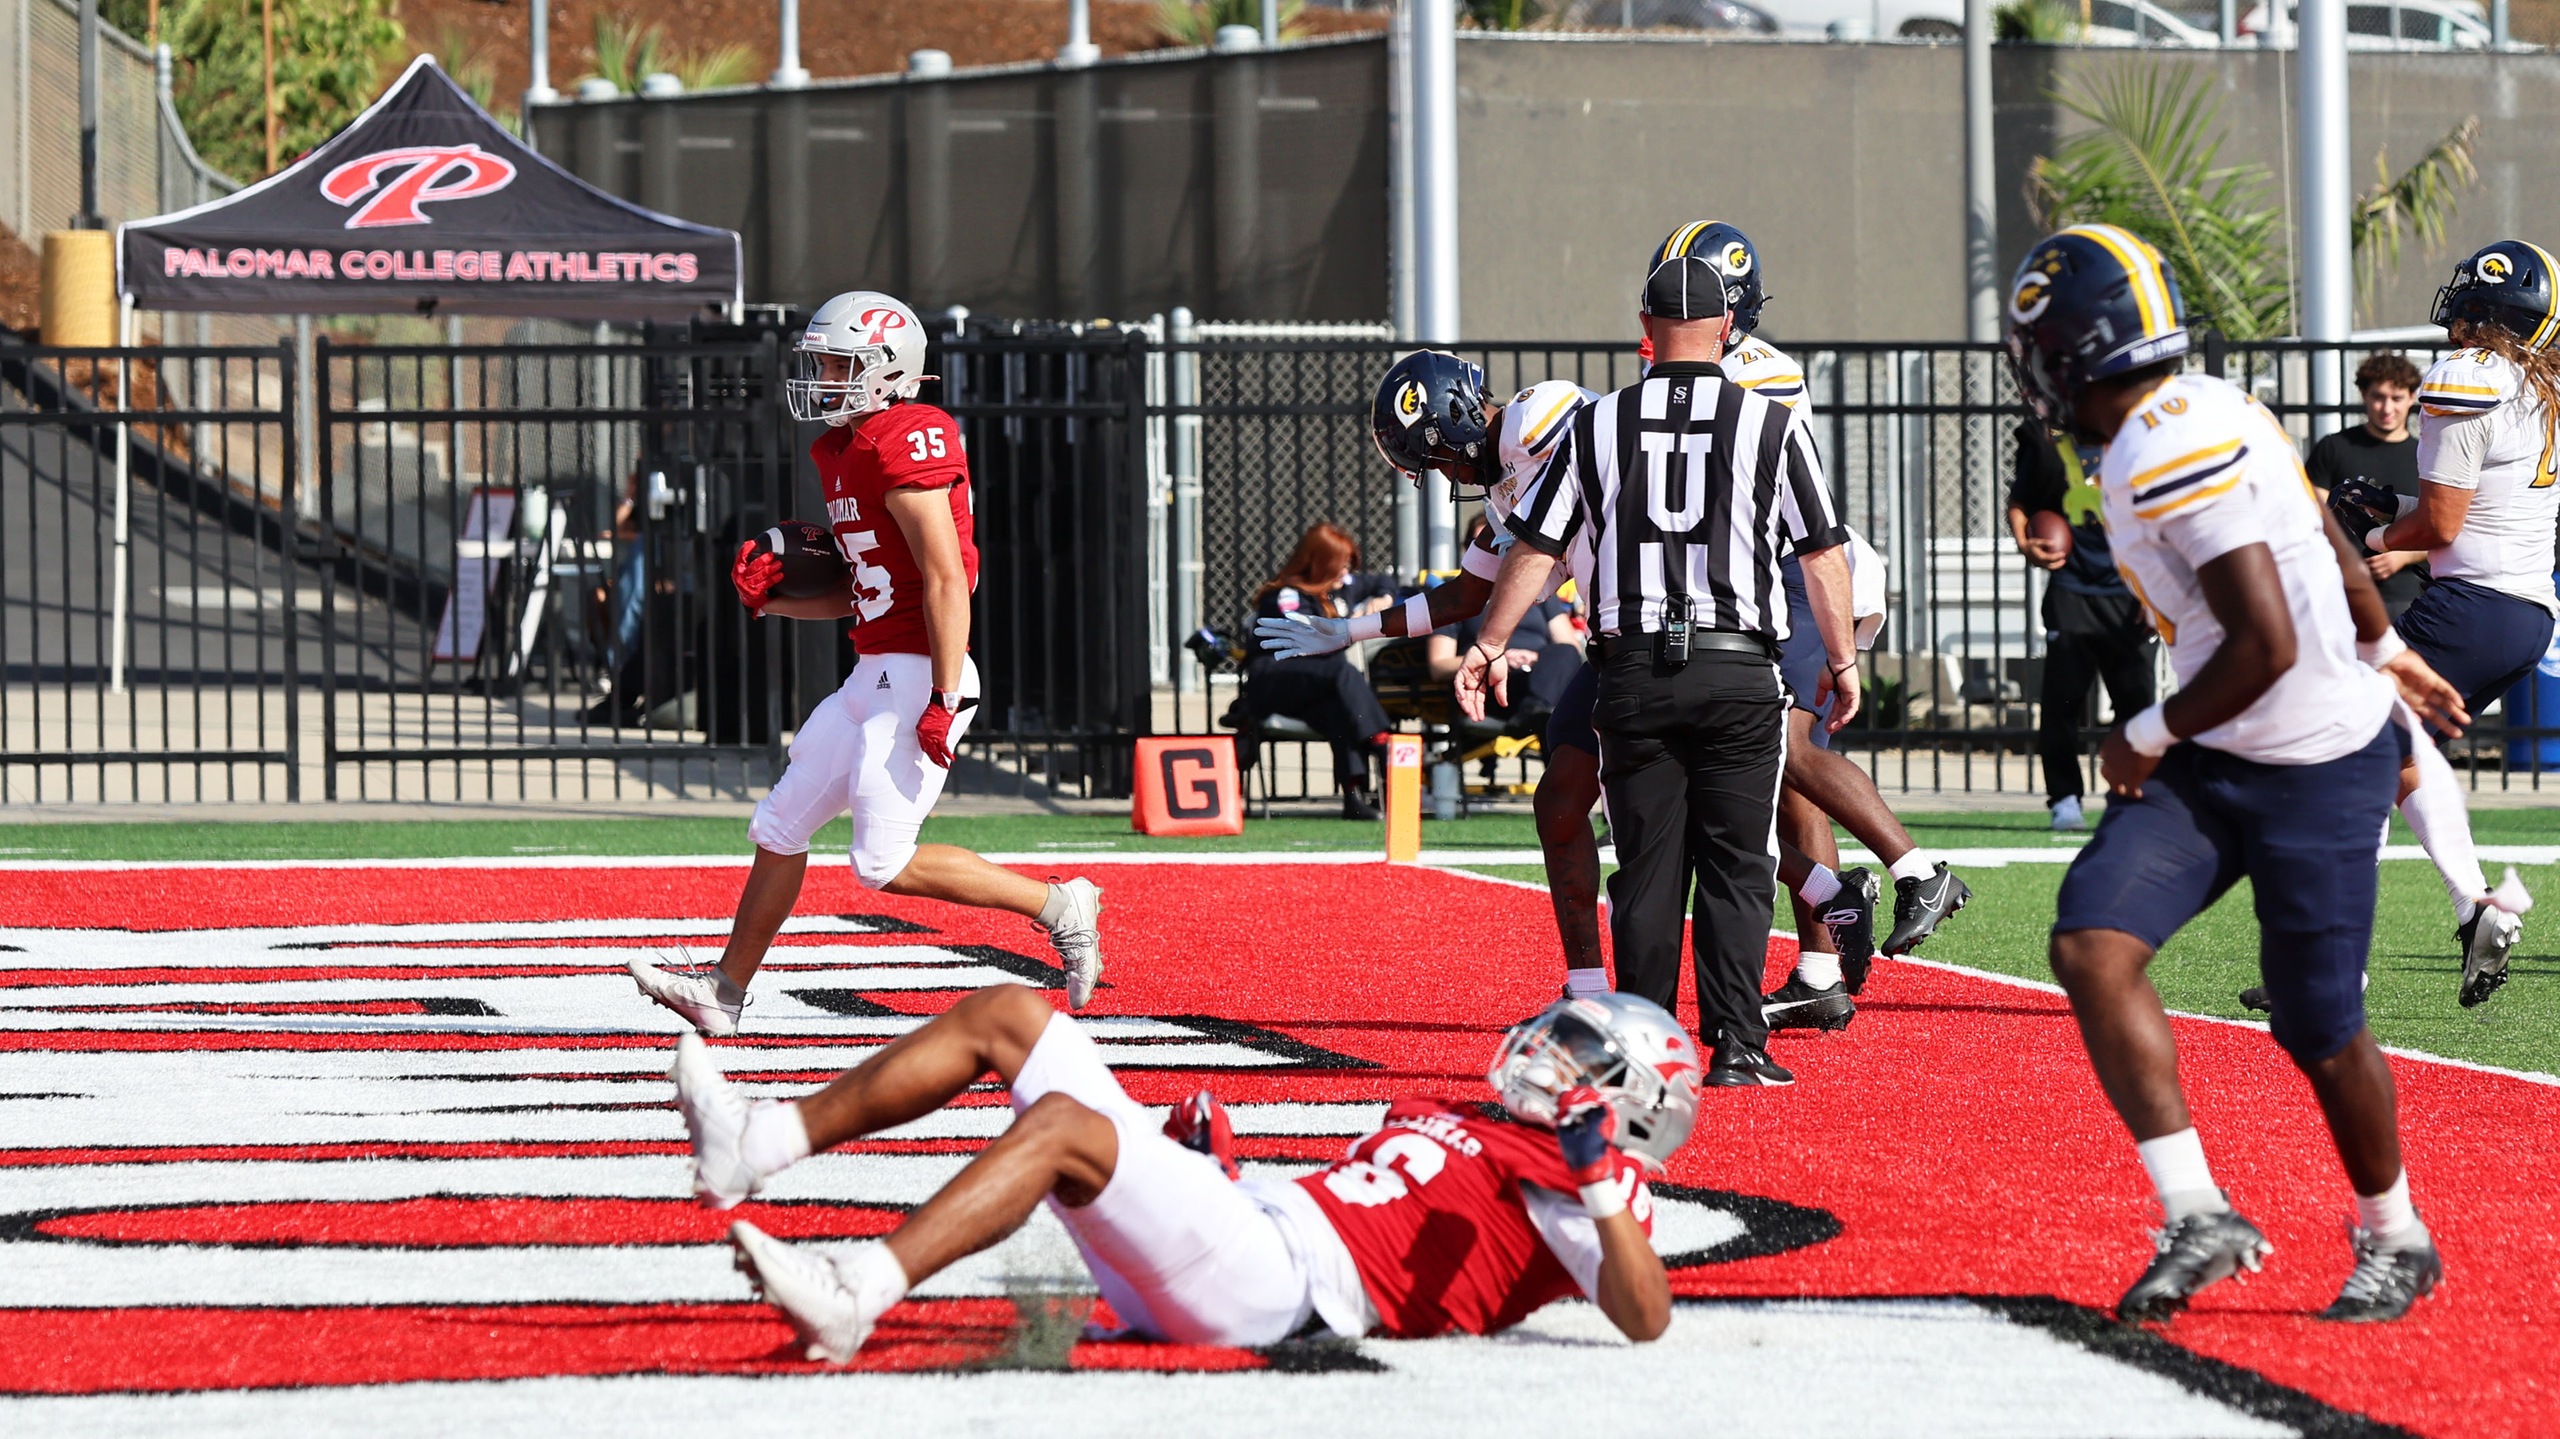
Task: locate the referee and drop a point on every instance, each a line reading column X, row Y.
column 1685, row 491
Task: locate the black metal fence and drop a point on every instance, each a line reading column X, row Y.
column 501, row 572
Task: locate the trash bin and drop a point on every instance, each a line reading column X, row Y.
column 2534, row 704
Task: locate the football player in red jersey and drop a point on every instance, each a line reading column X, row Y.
column 897, row 488
column 1441, row 1220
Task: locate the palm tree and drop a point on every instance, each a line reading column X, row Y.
column 2421, row 201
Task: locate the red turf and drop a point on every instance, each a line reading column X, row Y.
column 1955, row 1131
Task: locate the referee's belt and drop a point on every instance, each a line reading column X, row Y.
column 1609, row 647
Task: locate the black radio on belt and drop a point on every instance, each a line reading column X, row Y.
column 1671, row 646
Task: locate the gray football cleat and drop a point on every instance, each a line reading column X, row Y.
column 715, row 1117
column 2385, row 1282
column 2196, row 1251
column 694, row 995
column 806, row 1286
column 1078, row 940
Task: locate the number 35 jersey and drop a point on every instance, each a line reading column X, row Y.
column 1460, row 1222
column 907, row 445
column 2200, row 470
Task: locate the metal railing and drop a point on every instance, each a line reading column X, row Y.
column 505, row 573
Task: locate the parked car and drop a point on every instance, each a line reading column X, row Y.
column 1870, row 19
column 1721, row 16
column 2384, row 25
column 2139, row 22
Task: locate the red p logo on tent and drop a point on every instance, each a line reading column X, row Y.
column 401, row 181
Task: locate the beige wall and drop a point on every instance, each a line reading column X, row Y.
column 1845, row 163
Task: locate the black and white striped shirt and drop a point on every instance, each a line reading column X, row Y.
column 1726, row 482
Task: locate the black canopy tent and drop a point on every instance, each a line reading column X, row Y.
column 425, row 204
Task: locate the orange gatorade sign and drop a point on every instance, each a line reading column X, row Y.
column 1186, row 784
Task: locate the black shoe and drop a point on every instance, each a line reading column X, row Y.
column 2194, row 1252
column 2255, row 997
column 2386, row 1281
column 1798, row 1005
column 1920, row 904
column 1356, row 804
column 1851, row 918
column 2485, row 939
column 1735, row 1065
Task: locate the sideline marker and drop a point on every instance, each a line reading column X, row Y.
column 1404, row 798
column 1186, row 784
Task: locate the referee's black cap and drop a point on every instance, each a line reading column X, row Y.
column 1684, row 287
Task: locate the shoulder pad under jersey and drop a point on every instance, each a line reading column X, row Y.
column 1765, row 370
column 2468, row 382
column 2188, row 443
column 1536, row 418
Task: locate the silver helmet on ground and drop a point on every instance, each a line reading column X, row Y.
column 1636, row 1055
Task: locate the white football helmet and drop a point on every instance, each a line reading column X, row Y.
column 881, row 343
column 1627, row 1048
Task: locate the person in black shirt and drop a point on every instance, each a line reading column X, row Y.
column 2384, row 451
column 1323, row 575
column 2094, row 627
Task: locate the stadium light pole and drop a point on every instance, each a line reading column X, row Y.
column 537, row 90
column 1981, row 190
column 1079, row 50
column 1434, row 89
column 788, row 73
column 2328, row 281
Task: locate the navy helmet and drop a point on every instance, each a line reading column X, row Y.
column 2511, row 285
column 2090, row 303
column 1429, row 415
column 1733, row 256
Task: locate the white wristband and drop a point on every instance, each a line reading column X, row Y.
column 1417, row 615
column 2148, row 733
column 2408, row 506
column 1367, row 627
column 2381, row 651
column 2373, row 540
column 1603, row 1199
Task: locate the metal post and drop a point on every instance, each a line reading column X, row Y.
column 1435, row 201
column 88, row 218
column 2229, row 21
column 1163, row 640
column 120, row 608
column 1079, row 50
column 788, row 75
column 538, row 91
column 1188, row 568
column 2328, row 281
column 2498, row 34
column 306, row 440
column 1270, row 23
column 1400, row 252
column 1982, row 205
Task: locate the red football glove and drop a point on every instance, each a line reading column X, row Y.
column 1200, row 1123
column 933, row 727
column 1587, row 1132
column 755, row 574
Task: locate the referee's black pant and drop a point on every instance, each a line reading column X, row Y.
column 1690, row 758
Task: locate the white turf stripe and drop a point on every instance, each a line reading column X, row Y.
column 1927, row 1369
column 1069, row 860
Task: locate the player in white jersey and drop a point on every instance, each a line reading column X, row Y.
column 1432, row 414
column 1821, row 784
column 2488, row 502
column 2275, row 761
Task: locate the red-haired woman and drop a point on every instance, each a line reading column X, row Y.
column 1323, row 691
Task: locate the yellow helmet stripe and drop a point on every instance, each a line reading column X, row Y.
column 2142, row 265
column 2551, row 315
column 1680, row 240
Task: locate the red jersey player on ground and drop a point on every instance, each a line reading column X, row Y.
column 1441, row 1220
column 897, row 487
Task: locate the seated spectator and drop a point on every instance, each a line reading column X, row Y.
column 1545, row 654
column 1324, row 691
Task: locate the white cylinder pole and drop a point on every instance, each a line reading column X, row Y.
column 1270, row 23
column 539, row 92
column 788, row 75
column 1079, row 49
column 1982, row 204
column 2328, row 262
column 122, row 618
column 1435, row 227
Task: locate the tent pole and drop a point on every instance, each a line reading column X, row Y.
column 306, row 421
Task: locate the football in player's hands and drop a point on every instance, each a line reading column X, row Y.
column 812, row 567
column 1587, row 1133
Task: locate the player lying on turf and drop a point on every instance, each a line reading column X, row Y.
column 897, row 489
column 2276, row 760
column 1441, row 1220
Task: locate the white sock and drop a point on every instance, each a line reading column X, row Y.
column 1817, row 967
column 1054, row 908
column 775, row 1138
column 1913, row 865
column 875, row 1276
column 2390, row 1217
column 2178, row 1170
column 1582, row 982
column 2443, row 823
column 735, row 994
column 1820, row 887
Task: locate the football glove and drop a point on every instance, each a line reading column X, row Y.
column 1297, row 637
column 933, row 727
column 755, row 573
column 2360, row 505
column 1200, row 1124
column 1587, row 1133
